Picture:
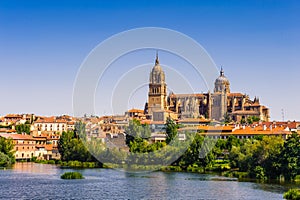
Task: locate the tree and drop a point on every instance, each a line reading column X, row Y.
column 250, row 120
column 291, row 157
column 243, row 121
column 80, row 129
column 6, row 152
column 198, row 153
column 136, row 130
column 260, row 158
column 171, row 130
column 72, row 148
column 232, row 141
column 5, row 160
column 23, row 128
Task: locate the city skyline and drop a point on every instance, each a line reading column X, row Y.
column 42, row 46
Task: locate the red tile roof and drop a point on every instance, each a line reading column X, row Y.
column 16, row 136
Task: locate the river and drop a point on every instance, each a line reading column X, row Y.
column 41, row 181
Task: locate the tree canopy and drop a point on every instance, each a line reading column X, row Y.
column 7, row 157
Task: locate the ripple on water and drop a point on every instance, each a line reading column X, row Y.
column 40, row 181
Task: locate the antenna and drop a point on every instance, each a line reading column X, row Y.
column 282, row 114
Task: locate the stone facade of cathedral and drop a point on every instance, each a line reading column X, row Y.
column 217, row 106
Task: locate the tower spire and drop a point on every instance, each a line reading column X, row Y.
column 156, row 60
column 222, row 71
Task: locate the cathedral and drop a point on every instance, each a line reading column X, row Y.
column 220, row 105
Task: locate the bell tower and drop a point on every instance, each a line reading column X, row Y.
column 157, row 95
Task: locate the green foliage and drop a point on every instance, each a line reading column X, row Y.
column 72, row 175
column 5, row 160
column 52, row 162
column 7, row 157
column 72, row 148
column 79, row 130
column 292, row 194
column 23, row 128
column 249, row 120
column 252, row 119
column 136, row 130
column 6, row 126
column 259, row 173
column 232, row 141
column 198, row 153
column 195, row 168
column 291, row 157
column 243, row 121
column 171, row 130
column 258, row 157
column 171, row 169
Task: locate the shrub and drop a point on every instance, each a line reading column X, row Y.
column 297, row 178
column 292, row 194
column 74, row 164
column 51, row 162
column 71, row 175
column 5, row 160
column 33, row 159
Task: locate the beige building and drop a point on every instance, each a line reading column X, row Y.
column 220, row 104
column 24, row 145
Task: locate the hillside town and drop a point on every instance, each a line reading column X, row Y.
column 44, row 132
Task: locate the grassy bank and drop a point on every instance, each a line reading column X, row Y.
column 71, row 164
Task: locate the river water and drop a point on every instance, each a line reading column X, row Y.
column 41, row 181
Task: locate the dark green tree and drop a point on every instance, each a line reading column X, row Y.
column 7, row 154
column 23, row 128
column 171, row 130
column 136, row 130
column 291, row 157
column 80, row 129
column 72, row 148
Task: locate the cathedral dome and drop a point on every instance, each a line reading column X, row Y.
column 222, row 83
column 157, row 74
column 157, row 69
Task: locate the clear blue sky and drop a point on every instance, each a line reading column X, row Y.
column 43, row 43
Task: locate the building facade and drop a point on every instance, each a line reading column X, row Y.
column 220, row 105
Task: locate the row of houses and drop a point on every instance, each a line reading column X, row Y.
column 26, row 147
column 44, row 135
column 45, row 132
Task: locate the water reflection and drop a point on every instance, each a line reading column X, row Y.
column 34, row 168
column 40, row 181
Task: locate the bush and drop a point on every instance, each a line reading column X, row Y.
column 71, row 175
column 297, row 178
column 52, row 162
column 5, row 160
column 33, row 159
column 74, row 164
column 260, row 173
column 171, row 168
column 88, row 165
column 195, row 168
column 292, row 194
